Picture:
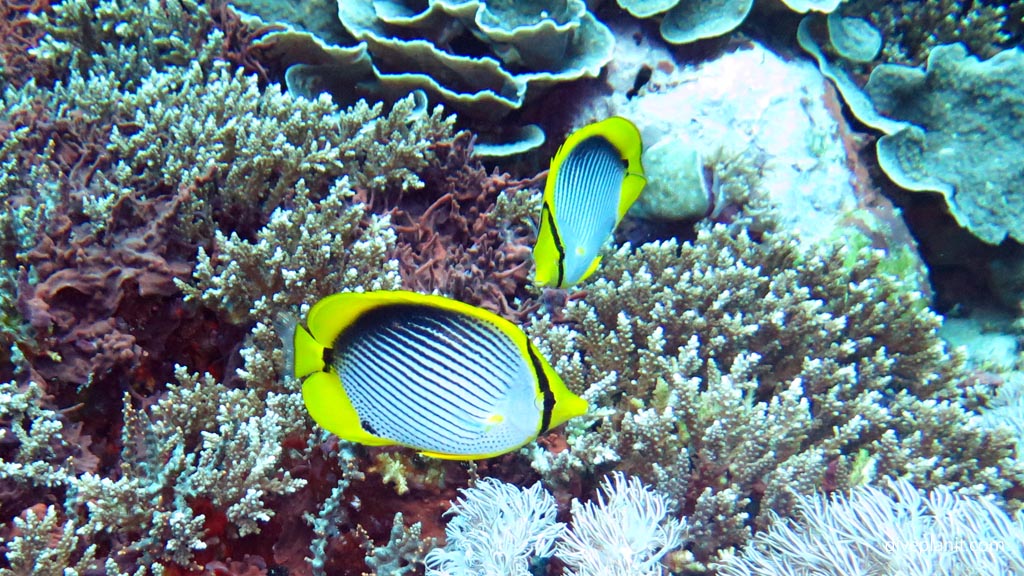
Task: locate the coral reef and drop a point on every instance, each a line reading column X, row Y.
column 167, row 210
column 499, row 528
column 482, row 59
column 683, row 22
column 626, row 531
column 747, row 124
column 730, row 372
column 911, row 29
column 948, row 128
column 467, row 235
column 149, row 195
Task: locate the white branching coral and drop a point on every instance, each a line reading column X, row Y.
column 304, row 253
column 34, row 432
column 198, row 124
column 44, row 546
column 202, row 441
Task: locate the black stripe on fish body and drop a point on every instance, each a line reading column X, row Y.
column 387, row 378
column 381, row 377
column 545, row 390
column 588, row 192
column 454, row 335
column 558, row 245
column 470, row 371
column 394, row 420
column 328, row 359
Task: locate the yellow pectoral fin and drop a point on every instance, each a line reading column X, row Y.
column 329, row 405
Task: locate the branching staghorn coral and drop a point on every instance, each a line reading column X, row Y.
column 203, row 446
column 143, row 35
column 118, row 174
column 45, row 547
column 36, row 452
column 253, row 145
column 730, row 372
column 162, row 154
column 304, row 253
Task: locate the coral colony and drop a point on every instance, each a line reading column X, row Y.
column 360, row 287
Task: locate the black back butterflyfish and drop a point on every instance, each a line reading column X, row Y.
column 448, row 379
column 595, row 177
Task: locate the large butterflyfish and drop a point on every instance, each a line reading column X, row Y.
column 434, row 374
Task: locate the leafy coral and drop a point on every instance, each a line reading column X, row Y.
column 732, row 370
column 683, row 22
column 483, row 59
column 961, row 137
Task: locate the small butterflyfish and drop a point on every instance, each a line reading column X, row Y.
column 443, row 377
column 595, row 177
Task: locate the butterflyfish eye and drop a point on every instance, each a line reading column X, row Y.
column 443, row 377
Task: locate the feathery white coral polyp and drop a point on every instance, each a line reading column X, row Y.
column 626, row 535
column 497, row 528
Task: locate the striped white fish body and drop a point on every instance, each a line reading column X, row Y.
column 587, row 199
column 438, row 381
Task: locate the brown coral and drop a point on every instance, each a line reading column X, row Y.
column 105, row 305
column 20, row 35
column 450, row 241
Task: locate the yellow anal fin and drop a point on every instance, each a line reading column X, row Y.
column 590, row 270
column 443, row 456
column 330, row 406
